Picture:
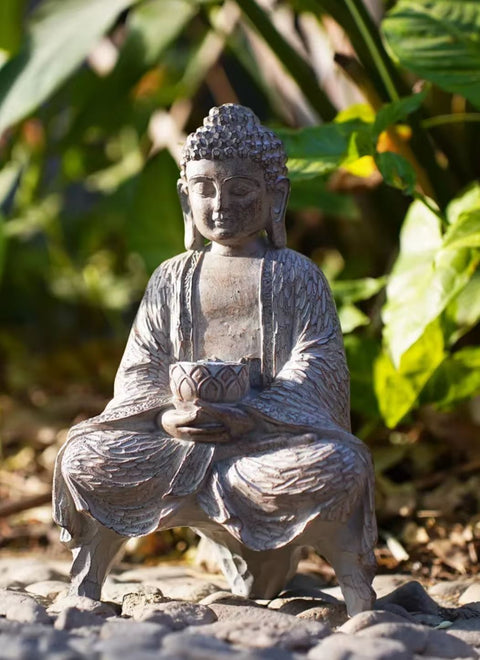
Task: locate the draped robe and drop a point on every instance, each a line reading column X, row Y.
column 300, row 463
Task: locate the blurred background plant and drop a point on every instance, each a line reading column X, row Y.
column 378, row 104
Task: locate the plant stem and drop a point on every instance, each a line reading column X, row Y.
column 457, row 118
column 294, row 63
column 376, row 50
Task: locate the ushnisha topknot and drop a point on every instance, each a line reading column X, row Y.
column 231, row 131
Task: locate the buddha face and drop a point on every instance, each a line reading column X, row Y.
column 228, row 199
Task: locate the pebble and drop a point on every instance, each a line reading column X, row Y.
column 412, row 636
column 470, row 595
column 18, row 606
column 449, row 593
column 443, row 645
column 126, row 637
column 257, row 628
column 368, row 619
column 27, row 571
column 178, row 614
column 343, row 647
column 170, row 613
column 134, row 603
column 85, row 604
column 48, row 589
column 334, row 615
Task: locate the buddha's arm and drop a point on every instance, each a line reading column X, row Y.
column 143, row 373
column 312, row 387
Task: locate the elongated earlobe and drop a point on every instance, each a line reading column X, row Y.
column 192, row 238
column 276, row 230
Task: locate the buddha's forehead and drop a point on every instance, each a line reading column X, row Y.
column 222, row 169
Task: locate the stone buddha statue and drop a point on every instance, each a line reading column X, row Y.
column 262, row 477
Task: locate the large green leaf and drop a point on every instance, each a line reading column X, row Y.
column 398, row 388
column 426, row 277
column 438, row 40
column 60, row 35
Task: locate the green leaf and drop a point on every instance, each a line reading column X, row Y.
column 60, row 35
column 467, row 201
column 11, row 13
column 361, row 354
column 425, row 278
column 351, row 318
column 398, row 389
column 465, row 232
column 396, row 171
column 391, row 113
column 321, row 149
column 457, row 379
column 463, row 313
column 350, row 291
column 155, row 222
column 155, row 24
column 438, row 40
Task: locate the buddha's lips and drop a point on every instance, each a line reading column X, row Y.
column 223, row 223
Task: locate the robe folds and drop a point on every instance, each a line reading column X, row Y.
column 300, row 462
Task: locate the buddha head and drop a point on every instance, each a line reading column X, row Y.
column 233, row 183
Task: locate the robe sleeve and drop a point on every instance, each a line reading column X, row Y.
column 142, row 380
column 312, row 387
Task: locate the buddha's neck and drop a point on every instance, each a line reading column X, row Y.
column 253, row 248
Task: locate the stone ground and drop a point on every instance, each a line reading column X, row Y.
column 173, row 613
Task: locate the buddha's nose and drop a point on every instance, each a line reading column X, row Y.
column 218, row 202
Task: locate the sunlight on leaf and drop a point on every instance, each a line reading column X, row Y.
column 426, row 277
column 438, row 40
column 397, row 389
column 349, row 291
column 463, row 313
column 362, row 111
column 351, row 318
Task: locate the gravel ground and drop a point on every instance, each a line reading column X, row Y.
column 171, row 613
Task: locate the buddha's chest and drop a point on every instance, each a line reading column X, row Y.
column 226, row 309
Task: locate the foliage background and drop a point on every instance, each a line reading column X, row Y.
column 378, row 105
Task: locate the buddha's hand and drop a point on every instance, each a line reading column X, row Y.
column 206, row 422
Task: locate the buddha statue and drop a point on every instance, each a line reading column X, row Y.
column 261, row 477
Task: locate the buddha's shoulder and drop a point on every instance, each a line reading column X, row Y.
column 298, row 264
column 172, row 267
